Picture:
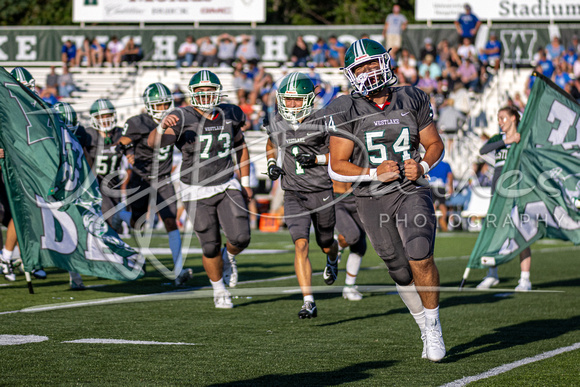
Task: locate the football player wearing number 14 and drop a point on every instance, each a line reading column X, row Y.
column 375, row 137
column 208, row 133
column 152, row 167
column 308, row 197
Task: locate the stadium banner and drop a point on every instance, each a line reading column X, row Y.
column 53, row 195
column 43, row 44
column 538, row 192
column 169, row 11
column 499, row 10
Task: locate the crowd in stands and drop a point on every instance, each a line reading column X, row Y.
column 94, row 53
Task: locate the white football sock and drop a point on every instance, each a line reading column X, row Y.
column 309, row 298
column 7, row 254
column 175, row 247
column 525, row 275
column 411, row 298
column 432, row 313
column 352, row 268
column 218, row 285
column 231, row 256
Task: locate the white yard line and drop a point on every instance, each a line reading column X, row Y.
column 117, row 341
column 508, row 367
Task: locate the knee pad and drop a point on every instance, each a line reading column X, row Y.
column 399, row 270
column 360, row 247
column 419, row 248
column 210, row 250
column 241, row 241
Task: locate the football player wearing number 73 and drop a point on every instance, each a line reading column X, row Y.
column 298, row 142
column 375, row 134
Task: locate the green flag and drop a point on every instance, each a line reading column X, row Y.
column 537, row 193
column 53, row 195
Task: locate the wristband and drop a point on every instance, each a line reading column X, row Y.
column 425, row 166
column 245, row 181
column 320, row 159
column 160, row 129
column 271, row 161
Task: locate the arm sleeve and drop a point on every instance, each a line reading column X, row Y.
column 492, row 145
column 347, row 179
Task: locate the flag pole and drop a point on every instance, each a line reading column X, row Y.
column 465, row 275
column 29, row 282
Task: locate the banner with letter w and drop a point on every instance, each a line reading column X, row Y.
column 538, row 193
column 54, row 197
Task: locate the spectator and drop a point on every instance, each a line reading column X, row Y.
column 554, row 49
column 131, row 53
column 68, row 53
column 315, row 78
column 450, row 119
column 178, row 96
column 242, row 83
column 406, row 54
column 84, row 53
column 52, row 79
column 97, row 51
column 247, row 51
column 570, row 57
column 427, row 83
column 319, row 52
column 560, row 76
column 547, row 65
column 428, row 49
column 395, row 24
column 575, row 44
column 67, row 85
column 467, row 49
column 186, row 52
column 491, row 53
column 226, row 50
column 336, row 52
column 443, row 53
column 48, row 96
column 207, row 55
column 468, row 74
column 300, row 53
column 467, row 24
column 405, row 71
column 430, row 65
column 114, row 51
column 532, row 78
column 576, row 68
column 441, row 182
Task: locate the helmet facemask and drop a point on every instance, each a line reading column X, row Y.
column 295, row 114
column 158, row 109
column 374, row 81
column 104, row 124
column 205, row 100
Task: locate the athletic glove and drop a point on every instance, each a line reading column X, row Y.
column 275, row 171
column 306, row 159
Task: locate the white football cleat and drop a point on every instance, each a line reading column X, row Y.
column 351, row 293
column 223, row 299
column 523, row 285
column 227, row 270
column 435, row 347
column 488, row 282
column 234, row 272
column 424, row 340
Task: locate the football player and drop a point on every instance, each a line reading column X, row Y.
column 375, row 137
column 207, row 133
column 153, row 167
column 308, row 198
column 100, row 142
column 351, row 234
column 23, row 76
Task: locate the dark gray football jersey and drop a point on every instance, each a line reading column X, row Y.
column 102, row 150
column 137, row 128
column 308, row 137
column 207, row 144
column 391, row 133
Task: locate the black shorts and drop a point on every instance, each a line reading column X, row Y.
column 302, row 209
column 400, row 224
column 5, row 213
column 227, row 209
column 349, row 224
column 138, row 201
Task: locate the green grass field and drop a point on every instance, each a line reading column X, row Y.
column 374, row 342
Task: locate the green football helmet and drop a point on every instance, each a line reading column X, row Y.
column 366, row 50
column 205, row 100
column 23, row 76
column 295, row 86
column 67, row 115
column 103, row 107
column 156, row 96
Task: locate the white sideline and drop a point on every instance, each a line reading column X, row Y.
column 508, row 367
column 119, row 341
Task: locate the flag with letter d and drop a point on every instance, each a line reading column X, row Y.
column 54, row 197
column 538, row 193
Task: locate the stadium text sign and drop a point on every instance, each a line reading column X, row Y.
column 169, row 11
column 500, row 10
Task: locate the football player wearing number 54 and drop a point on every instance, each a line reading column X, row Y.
column 208, row 133
column 375, row 137
column 300, row 136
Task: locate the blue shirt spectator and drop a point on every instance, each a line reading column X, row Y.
column 467, row 24
column 561, row 78
column 547, row 66
column 69, row 53
column 319, row 52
